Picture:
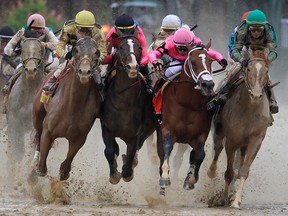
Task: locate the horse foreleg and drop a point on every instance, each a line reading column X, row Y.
column 168, row 146
column 218, row 147
column 45, row 146
column 196, row 158
column 229, row 173
column 128, row 160
column 243, row 173
column 111, row 153
column 74, row 147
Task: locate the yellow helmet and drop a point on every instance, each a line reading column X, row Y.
column 85, row 18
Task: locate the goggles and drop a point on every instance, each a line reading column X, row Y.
column 182, row 48
column 84, row 29
column 254, row 29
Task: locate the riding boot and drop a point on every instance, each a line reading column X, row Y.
column 98, row 80
column 272, row 101
column 158, row 85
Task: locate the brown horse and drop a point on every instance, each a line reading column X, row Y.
column 20, row 100
column 185, row 115
column 242, row 124
column 71, row 112
column 127, row 110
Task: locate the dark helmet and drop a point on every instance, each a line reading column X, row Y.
column 6, row 32
column 124, row 22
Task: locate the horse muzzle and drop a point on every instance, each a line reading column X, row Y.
column 30, row 73
column 207, row 88
column 132, row 74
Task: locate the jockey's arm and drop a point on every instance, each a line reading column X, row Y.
column 239, row 42
column 101, row 42
column 9, row 48
column 51, row 41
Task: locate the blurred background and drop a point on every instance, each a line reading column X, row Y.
column 215, row 19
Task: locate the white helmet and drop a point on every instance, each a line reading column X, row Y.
column 171, row 22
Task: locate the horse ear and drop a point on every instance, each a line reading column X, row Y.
column 208, row 45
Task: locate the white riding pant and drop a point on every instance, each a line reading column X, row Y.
column 172, row 70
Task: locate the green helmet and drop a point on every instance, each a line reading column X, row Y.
column 256, row 17
column 85, row 19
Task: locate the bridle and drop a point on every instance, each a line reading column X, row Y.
column 38, row 61
column 206, row 74
column 76, row 64
column 246, row 72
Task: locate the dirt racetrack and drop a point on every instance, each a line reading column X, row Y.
column 88, row 192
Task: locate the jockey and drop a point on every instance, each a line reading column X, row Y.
column 170, row 24
column 83, row 25
column 7, row 70
column 35, row 28
column 126, row 25
column 255, row 32
column 231, row 38
column 175, row 47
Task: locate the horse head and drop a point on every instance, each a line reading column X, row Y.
column 129, row 55
column 198, row 66
column 256, row 73
column 85, row 58
column 32, row 55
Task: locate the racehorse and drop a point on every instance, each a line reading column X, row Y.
column 71, row 112
column 20, row 99
column 242, row 124
column 186, row 118
column 127, row 110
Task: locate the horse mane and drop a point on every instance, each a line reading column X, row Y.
column 261, row 54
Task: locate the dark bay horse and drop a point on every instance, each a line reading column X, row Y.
column 242, row 124
column 185, row 115
column 127, row 110
column 71, row 112
column 20, row 100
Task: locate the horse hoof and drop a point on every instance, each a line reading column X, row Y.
column 41, row 173
column 64, row 177
column 211, row 174
column 114, row 179
column 188, row 186
column 235, row 204
column 32, row 178
column 128, row 178
column 164, row 182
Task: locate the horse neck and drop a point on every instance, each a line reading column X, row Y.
column 122, row 81
column 76, row 92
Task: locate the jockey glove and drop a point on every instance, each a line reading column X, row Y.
column 223, row 62
column 68, row 56
column 158, row 66
column 244, row 62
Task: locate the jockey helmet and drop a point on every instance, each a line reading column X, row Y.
column 85, row 19
column 39, row 21
column 6, row 32
column 256, row 17
column 182, row 37
column 124, row 22
column 171, row 22
column 244, row 16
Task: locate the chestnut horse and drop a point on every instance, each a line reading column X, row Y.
column 71, row 112
column 242, row 124
column 20, row 100
column 186, row 119
column 127, row 110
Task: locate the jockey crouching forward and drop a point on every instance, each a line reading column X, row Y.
column 84, row 25
column 36, row 28
column 175, row 47
column 125, row 24
column 255, row 33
